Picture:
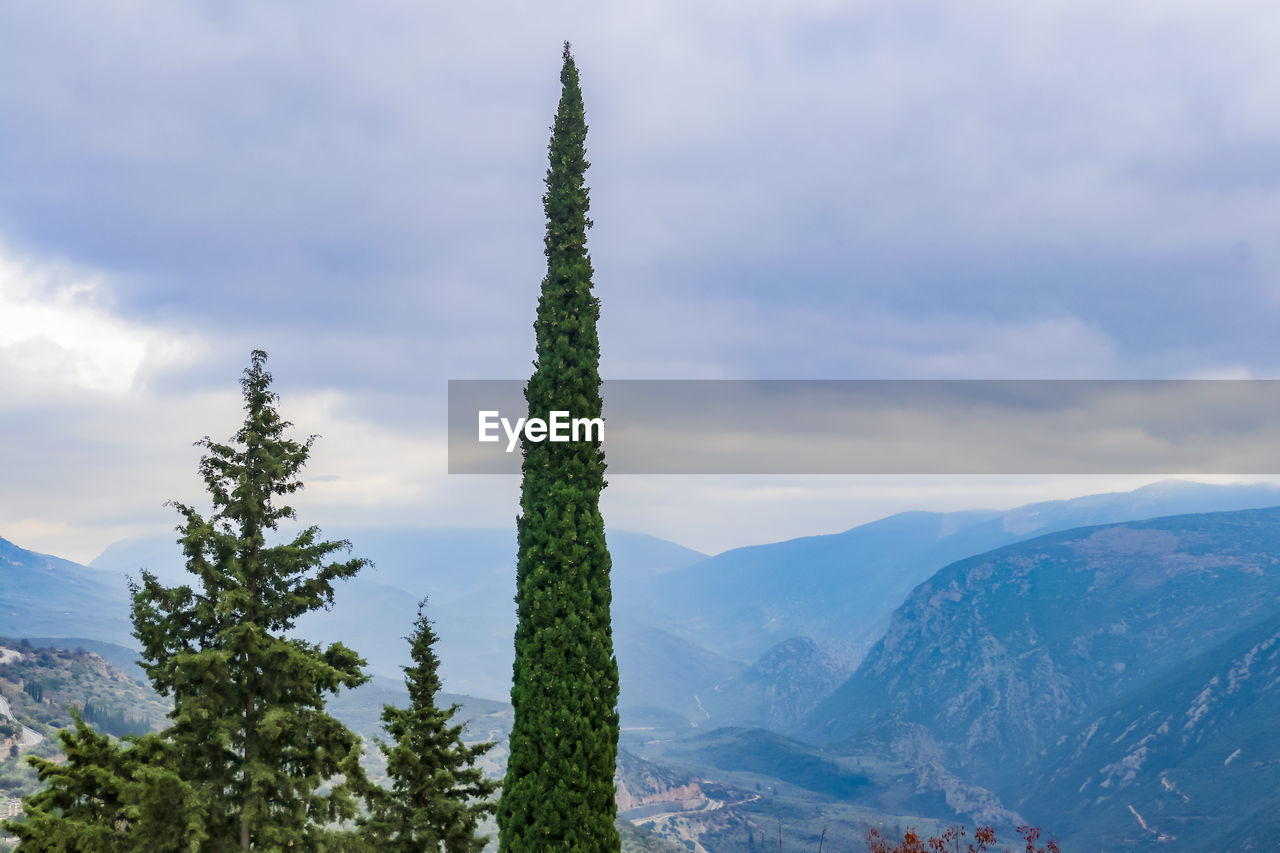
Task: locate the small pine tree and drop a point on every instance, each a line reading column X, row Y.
column 438, row 795
column 108, row 797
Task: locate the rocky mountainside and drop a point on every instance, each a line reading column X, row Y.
column 778, row 690
column 1190, row 761
column 1000, row 662
column 38, row 686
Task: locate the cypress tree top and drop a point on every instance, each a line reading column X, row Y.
column 559, row 794
column 567, row 367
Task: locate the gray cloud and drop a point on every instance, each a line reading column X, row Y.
column 813, row 189
column 385, row 164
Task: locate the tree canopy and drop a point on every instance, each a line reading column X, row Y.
column 249, row 730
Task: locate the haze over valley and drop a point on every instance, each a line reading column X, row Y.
column 924, row 669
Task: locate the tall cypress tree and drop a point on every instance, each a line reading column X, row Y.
column 249, row 731
column 559, row 793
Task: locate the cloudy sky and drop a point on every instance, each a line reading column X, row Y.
column 803, row 190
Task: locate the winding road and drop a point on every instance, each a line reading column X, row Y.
column 30, row 737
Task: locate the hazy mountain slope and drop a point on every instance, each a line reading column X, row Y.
column 840, row 589
column 425, row 560
column 742, row 602
column 836, row 589
column 778, row 690
column 468, row 575
column 663, row 672
column 997, row 655
column 44, row 596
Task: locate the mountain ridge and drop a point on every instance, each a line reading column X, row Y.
column 994, row 665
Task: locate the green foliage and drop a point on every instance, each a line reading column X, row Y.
column 249, row 730
column 109, row 798
column 112, row 720
column 438, row 795
column 69, row 678
column 558, row 793
column 17, row 778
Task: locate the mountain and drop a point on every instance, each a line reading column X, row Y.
column 1187, row 762
column 123, row 658
column 1043, row 679
column 661, row 672
column 778, row 690
column 1041, row 666
column 39, row 684
column 44, row 596
column 426, row 560
column 686, row 623
column 840, row 589
column 832, row 588
column 468, row 578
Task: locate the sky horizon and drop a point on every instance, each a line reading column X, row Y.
column 821, row 191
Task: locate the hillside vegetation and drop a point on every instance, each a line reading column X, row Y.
column 40, row 685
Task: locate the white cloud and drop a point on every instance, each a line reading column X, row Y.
column 60, row 333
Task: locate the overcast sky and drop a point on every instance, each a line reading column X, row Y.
column 803, row 190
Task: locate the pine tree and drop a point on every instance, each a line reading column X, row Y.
column 108, row 797
column 249, row 731
column 558, row 794
column 438, row 795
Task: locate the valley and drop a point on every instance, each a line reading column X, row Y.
column 1103, row 668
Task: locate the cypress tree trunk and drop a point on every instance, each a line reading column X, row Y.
column 559, row 793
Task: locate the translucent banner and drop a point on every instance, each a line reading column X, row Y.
column 887, row 426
